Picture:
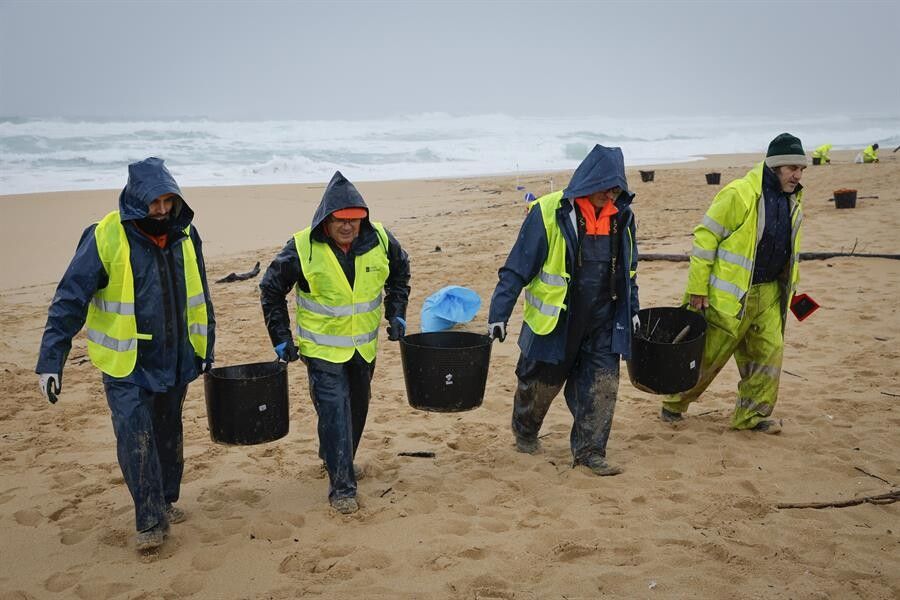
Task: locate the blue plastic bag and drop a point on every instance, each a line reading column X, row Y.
column 449, row 306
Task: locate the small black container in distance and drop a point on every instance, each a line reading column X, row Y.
column 845, row 198
column 247, row 404
column 647, row 175
column 445, row 371
column 659, row 366
column 713, row 178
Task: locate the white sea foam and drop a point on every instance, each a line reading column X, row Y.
column 55, row 154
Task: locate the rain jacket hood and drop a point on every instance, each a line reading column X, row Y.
column 148, row 180
column 339, row 194
column 602, row 169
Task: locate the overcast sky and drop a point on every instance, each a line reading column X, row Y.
column 350, row 60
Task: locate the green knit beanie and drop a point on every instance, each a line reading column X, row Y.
column 785, row 149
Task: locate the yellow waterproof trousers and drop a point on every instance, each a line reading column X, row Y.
column 758, row 350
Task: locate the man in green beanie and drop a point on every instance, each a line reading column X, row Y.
column 743, row 275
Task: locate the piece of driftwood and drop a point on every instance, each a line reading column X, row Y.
column 240, row 276
column 888, row 498
column 861, row 470
column 803, row 256
column 417, row 454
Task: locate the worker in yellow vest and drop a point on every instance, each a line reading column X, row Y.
column 138, row 283
column 743, row 274
column 870, row 154
column 346, row 271
column 822, row 153
column 576, row 259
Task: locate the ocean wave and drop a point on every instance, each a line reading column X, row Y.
column 58, row 154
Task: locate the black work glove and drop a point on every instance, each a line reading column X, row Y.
column 287, row 352
column 497, row 331
column 396, row 329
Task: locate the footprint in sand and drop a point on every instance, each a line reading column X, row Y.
column 264, row 530
column 28, row 517
column 98, row 590
column 61, row 581
column 454, row 527
column 187, row 584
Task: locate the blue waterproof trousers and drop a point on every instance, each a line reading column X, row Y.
column 589, row 369
column 149, row 445
column 340, row 394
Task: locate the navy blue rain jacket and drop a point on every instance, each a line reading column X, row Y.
column 602, row 169
column 167, row 360
column 285, row 270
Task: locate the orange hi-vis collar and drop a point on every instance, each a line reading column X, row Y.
column 596, row 224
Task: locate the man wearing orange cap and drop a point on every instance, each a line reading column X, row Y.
column 346, row 271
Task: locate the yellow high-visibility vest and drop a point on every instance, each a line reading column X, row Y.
column 334, row 320
column 725, row 245
column 111, row 324
column 545, row 295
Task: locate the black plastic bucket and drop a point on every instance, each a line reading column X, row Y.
column 658, row 365
column 247, row 404
column 816, row 160
column 647, row 175
column 713, row 178
column 845, row 198
column 445, row 371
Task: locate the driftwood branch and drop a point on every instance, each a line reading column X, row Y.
column 240, row 276
column 417, row 454
column 887, row 498
column 803, row 256
column 861, row 470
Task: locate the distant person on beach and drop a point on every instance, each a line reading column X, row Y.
column 139, row 282
column 870, row 154
column 576, row 258
column 743, row 280
column 340, row 268
column 822, row 154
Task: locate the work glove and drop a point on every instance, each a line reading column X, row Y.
column 205, row 366
column 396, row 329
column 287, row 352
column 497, row 331
column 635, row 323
column 50, row 386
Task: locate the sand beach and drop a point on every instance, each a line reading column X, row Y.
column 694, row 515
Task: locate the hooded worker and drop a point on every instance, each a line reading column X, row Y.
column 576, row 258
column 346, row 271
column 138, row 280
column 744, row 270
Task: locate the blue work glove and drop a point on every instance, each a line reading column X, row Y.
column 396, row 329
column 287, row 352
column 50, row 386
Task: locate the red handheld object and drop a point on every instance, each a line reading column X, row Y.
column 802, row 306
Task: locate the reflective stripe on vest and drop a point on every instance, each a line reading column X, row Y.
column 334, row 320
column 727, row 257
column 545, row 295
column 111, row 325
